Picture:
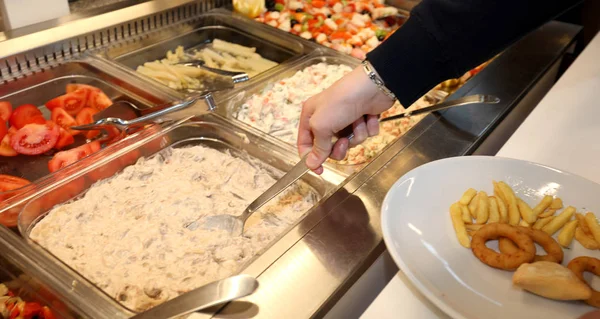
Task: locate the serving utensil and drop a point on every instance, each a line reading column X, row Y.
column 111, row 119
column 236, row 77
column 235, row 224
column 215, row 293
column 471, row 99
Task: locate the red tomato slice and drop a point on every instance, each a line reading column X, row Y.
column 35, row 139
column 46, row 313
column 72, row 102
column 9, row 218
column 5, row 110
column 72, row 87
column 64, row 139
column 8, row 182
column 64, row 120
column 86, row 116
column 65, row 158
column 3, row 129
column 5, row 148
column 30, row 310
column 26, row 114
column 94, row 146
column 98, row 100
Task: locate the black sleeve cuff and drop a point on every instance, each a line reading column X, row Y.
column 410, row 62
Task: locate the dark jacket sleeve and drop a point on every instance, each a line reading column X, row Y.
column 442, row 39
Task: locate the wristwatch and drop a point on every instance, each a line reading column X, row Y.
column 374, row 76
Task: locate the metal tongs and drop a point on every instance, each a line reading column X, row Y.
column 236, row 77
column 235, row 224
column 110, row 120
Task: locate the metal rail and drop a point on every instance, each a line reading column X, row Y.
column 60, row 40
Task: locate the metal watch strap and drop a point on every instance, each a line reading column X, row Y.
column 374, row 76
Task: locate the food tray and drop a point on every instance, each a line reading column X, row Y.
column 200, row 32
column 230, row 105
column 38, row 88
column 22, row 276
column 209, row 132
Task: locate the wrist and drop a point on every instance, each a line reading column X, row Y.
column 372, row 74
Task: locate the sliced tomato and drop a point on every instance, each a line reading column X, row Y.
column 86, row 116
column 9, row 182
column 46, row 313
column 35, row 139
column 3, row 129
column 26, row 114
column 30, row 310
column 72, row 87
column 98, row 100
column 64, row 120
column 65, row 158
column 64, row 139
column 5, row 148
column 5, row 110
column 10, row 217
column 72, row 102
column 94, row 146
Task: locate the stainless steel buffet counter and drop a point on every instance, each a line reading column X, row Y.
column 310, row 267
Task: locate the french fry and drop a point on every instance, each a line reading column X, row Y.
column 467, row 196
column 559, row 221
column 583, row 224
column 540, row 223
column 543, row 205
column 473, row 227
column 502, row 210
column 585, row 240
column 459, row 225
column 557, row 204
column 473, row 206
column 466, row 215
column 565, row 237
column 592, row 223
column 524, row 223
column 494, row 212
column 471, row 232
column 547, row 213
column 483, row 209
column 511, row 202
column 526, row 212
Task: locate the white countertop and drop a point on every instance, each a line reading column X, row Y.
column 562, row 132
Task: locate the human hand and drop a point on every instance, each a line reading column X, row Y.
column 344, row 103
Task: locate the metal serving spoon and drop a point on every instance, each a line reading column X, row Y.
column 235, row 224
column 215, row 293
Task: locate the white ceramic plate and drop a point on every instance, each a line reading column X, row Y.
column 419, row 235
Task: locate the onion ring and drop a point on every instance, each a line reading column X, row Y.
column 555, row 252
column 525, row 254
column 581, row 264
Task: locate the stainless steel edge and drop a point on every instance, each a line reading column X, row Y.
column 306, row 280
column 52, row 42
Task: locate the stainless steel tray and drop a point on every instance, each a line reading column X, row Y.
column 196, row 33
column 208, row 130
column 38, row 88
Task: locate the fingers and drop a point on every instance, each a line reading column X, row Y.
column 339, row 149
column 359, row 128
column 305, row 136
column 591, row 315
column 373, row 125
column 322, row 145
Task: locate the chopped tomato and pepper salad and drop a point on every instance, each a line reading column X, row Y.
column 25, row 131
column 352, row 27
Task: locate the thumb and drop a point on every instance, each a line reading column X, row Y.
column 321, row 149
